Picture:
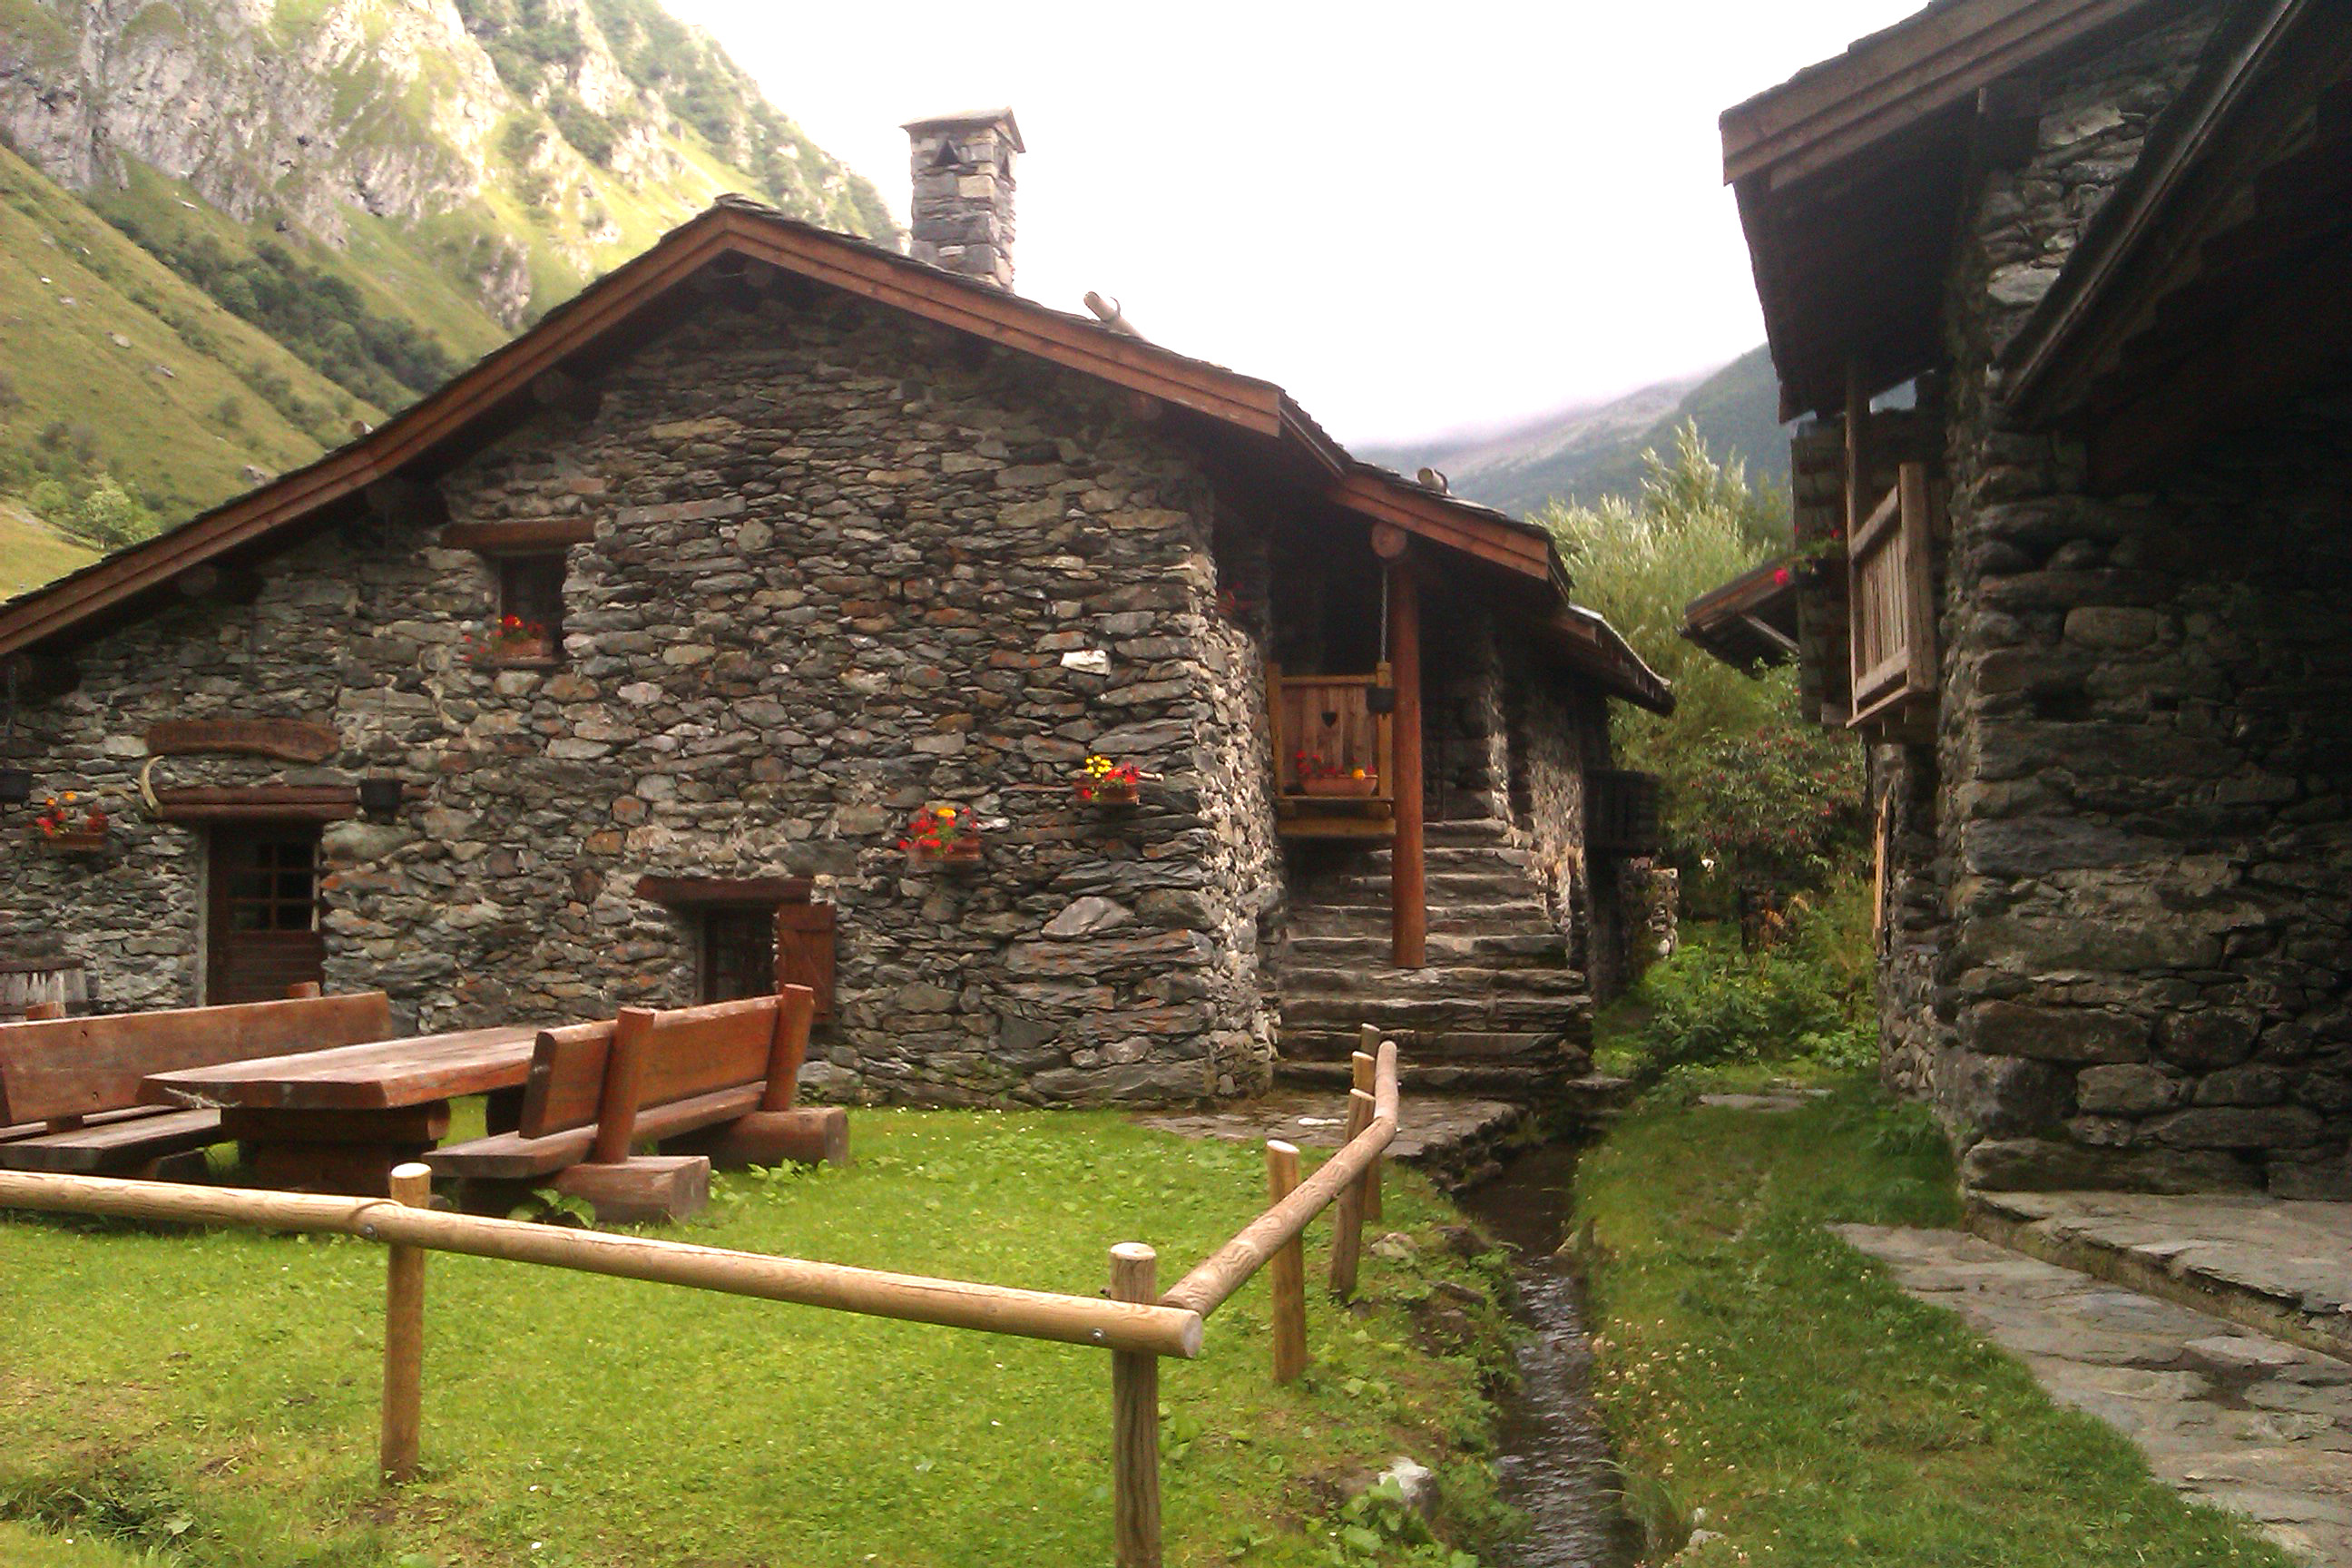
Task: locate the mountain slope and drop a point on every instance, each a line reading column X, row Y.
column 1583, row 453
column 316, row 210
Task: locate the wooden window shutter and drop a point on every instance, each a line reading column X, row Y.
column 1890, row 564
column 804, row 951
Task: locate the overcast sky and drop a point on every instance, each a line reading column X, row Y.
column 1415, row 218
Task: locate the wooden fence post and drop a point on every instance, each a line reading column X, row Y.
column 404, row 1333
column 1367, row 1069
column 1135, row 1419
column 1348, row 1211
column 1286, row 1269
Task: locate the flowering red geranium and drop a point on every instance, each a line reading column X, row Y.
column 1101, row 776
column 940, row 830
column 59, row 817
column 510, row 637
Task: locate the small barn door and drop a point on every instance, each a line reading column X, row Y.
column 262, row 926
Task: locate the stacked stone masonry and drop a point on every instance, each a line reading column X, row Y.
column 844, row 566
column 2118, row 941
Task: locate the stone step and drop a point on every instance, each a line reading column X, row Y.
column 1310, row 1044
column 1433, row 1014
column 1522, row 1080
column 1373, row 921
column 1453, row 858
column 1466, row 830
column 1442, row 887
column 1524, row 907
column 1535, row 950
column 1438, row 981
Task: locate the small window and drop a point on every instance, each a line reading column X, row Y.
column 738, row 954
column 531, row 596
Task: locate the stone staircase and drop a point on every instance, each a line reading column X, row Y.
column 1498, row 1008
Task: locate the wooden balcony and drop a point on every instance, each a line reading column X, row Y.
column 1332, row 755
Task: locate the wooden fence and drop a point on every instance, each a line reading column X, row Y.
column 1135, row 1324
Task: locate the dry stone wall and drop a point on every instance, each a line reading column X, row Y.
column 843, row 568
column 2139, row 844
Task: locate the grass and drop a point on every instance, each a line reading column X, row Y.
column 32, row 552
column 1753, row 1367
column 213, row 1396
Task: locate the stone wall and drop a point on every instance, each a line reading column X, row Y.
column 2118, row 943
column 843, row 568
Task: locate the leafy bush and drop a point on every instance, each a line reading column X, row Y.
column 1806, row 997
column 1754, row 795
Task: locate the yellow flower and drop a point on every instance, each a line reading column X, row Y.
column 1358, row 773
column 947, row 814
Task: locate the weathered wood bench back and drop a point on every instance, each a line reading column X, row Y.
column 54, row 1068
column 678, row 1056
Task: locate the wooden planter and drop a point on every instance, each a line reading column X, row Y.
column 958, row 855
column 523, row 650
column 70, row 841
column 1344, row 788
column 1110, row 791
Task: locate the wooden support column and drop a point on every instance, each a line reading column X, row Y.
column 1286, row 1269
column 1408, row 885
column 404, row 1335
column 1135, row 1419
column 1366, row 1071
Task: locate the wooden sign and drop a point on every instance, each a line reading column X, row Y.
column 287, row 740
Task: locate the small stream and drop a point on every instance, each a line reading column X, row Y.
column 1553, row 1456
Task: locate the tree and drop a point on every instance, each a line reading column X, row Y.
column 1754, row 795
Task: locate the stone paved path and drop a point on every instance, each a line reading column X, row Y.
column 2234, row 1418
column 1427, row 1125
column 2284, row 1268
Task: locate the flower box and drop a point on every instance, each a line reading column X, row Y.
column 523, row 650
column 71, row 840
column 1342, row 786
column 957, row 852
column 1110, row 791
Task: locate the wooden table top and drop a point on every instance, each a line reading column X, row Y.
column 383, row 1075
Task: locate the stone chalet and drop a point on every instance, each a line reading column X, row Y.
column 821, row 536
column 2084, row 591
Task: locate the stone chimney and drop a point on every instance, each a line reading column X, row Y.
column 963, row 193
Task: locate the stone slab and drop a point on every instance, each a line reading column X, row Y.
column 2278, row 1266
column 2238, row 1420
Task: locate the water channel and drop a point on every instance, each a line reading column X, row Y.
column 1553, row 1456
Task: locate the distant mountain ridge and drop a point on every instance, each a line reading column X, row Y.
column 1580, row 453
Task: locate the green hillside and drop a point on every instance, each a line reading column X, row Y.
column 112, row 366
column 407, row 186
column 32, row 552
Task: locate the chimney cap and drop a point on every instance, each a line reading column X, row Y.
column 970, row 120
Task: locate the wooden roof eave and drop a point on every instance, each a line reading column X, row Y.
column 1594, row 649
column 2053, row 360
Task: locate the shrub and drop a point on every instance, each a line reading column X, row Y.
column 1807, row 997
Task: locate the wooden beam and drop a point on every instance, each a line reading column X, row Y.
column 2300, row 332
column 1407, row 889
column 257, row 803
column 527, row 536
column 735, row 892
column 1893, row 80
column 1444, row 522
column 285, row 739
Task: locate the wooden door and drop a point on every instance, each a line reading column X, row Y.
column 262, row 926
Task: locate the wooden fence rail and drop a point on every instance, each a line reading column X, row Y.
column 1137, row 1329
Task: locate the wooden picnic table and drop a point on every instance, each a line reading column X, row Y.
column 340, row 1120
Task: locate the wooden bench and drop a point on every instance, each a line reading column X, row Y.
column 70, row 1087
column 712, row 1085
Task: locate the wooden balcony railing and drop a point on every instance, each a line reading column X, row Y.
column 1332, row 750
column 1892, row 602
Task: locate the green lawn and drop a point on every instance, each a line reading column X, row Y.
column 214, row 1395
column 1754, row 1367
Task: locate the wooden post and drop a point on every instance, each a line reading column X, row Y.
column 1135, row 1419
column 404, row 1333
column 302, row 990
column 616, row 1106
column 789, row 1051
column 1348, row 1211
column 1286, row 1269
column 1408, row 888
column 1364, row 1063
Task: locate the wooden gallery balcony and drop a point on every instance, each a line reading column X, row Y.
column 1333, row 745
